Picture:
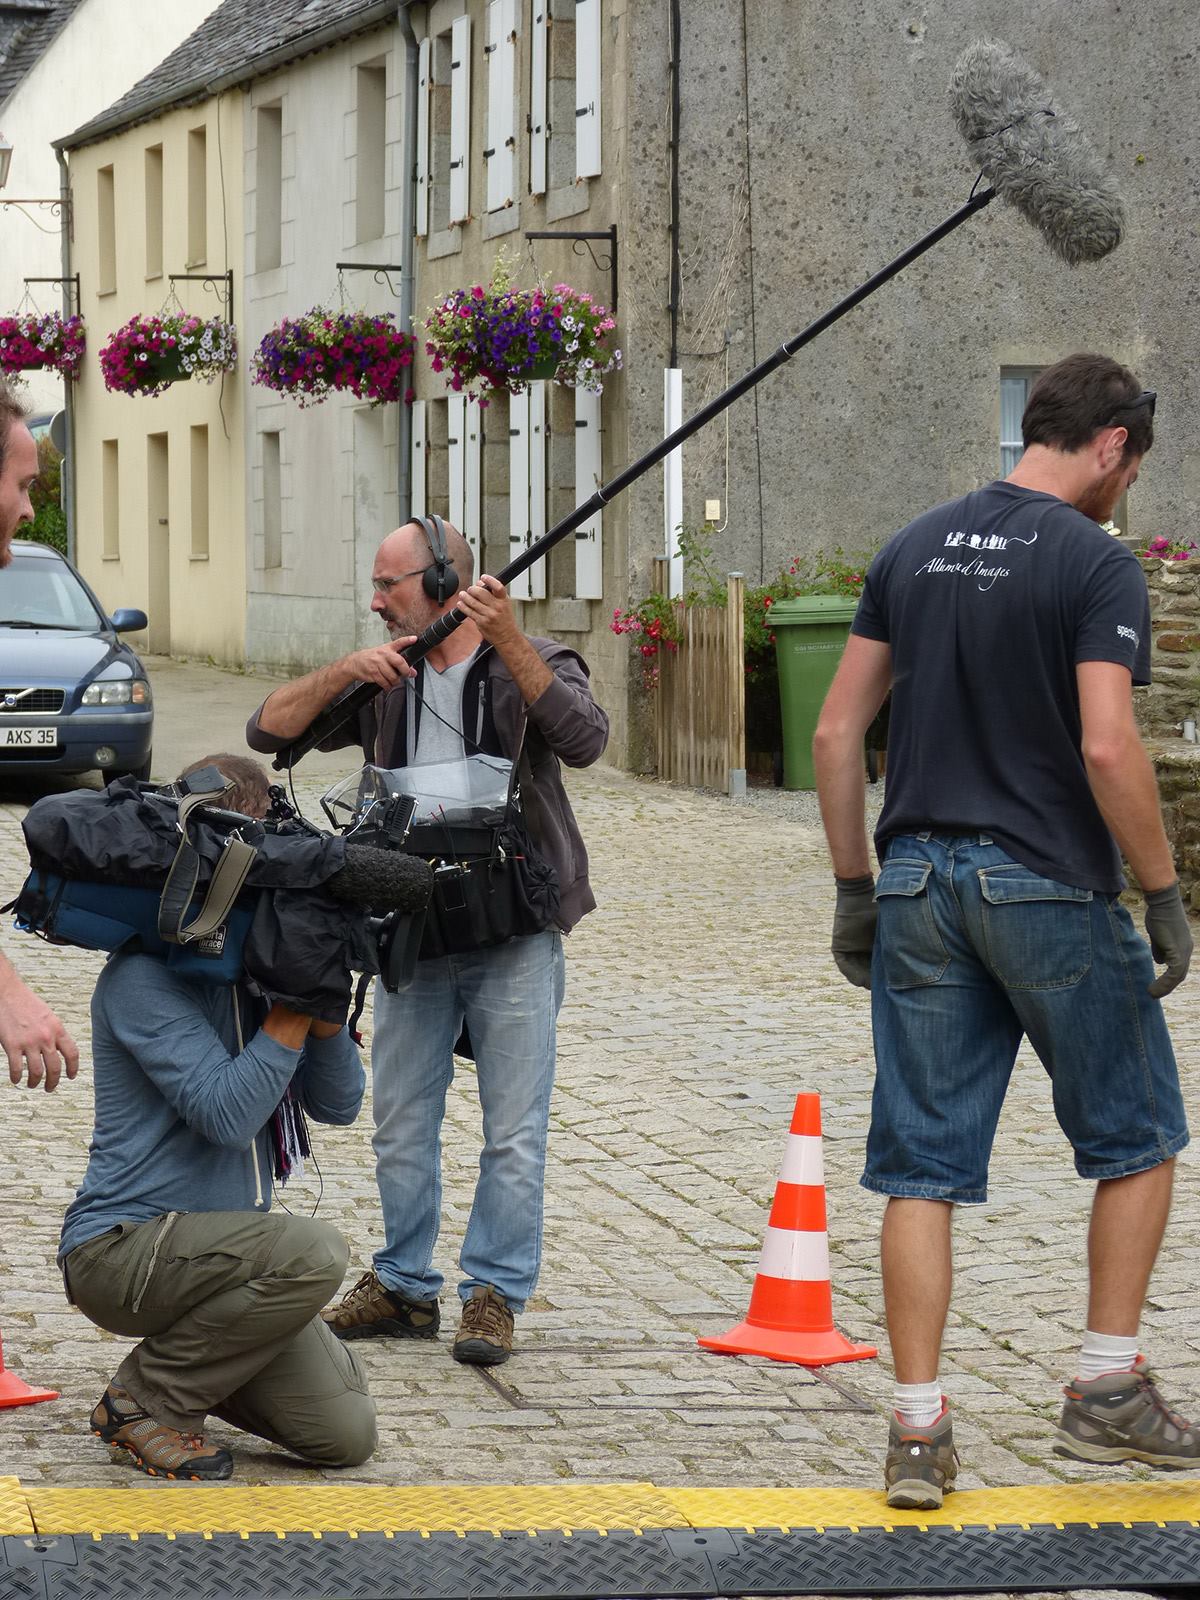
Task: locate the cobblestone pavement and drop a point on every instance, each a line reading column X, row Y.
column 700, row 999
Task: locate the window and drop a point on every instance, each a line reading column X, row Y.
column 268, row 186
column 197, row 196
column 110, row 494
column 154, row 211
column 1015, row 384
column 369, row 149
column 561, row 102
column 527, row 486
column 439, row 134
column 199, row 452
column 272, row 492
column 106, row 224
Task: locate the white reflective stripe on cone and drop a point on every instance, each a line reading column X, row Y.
column 802, row 1161
column 802, row 1257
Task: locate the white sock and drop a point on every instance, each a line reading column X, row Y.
column 918, row 1405
column 1106, row 1352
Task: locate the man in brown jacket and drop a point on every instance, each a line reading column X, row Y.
column 484, row 689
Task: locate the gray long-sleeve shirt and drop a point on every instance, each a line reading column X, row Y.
column 182, row 1107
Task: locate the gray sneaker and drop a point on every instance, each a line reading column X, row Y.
column 921, row 1464
column 1121, row 1416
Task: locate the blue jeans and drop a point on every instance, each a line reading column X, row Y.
column 509, row 998
column 972, row 951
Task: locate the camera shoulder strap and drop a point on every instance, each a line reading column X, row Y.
column 229, row 875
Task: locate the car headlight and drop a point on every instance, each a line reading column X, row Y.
column 117, row 692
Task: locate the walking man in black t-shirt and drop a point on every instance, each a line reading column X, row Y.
column 1010, row 629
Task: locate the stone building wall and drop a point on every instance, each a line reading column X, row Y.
column 1174, row 695
column 1170, row 699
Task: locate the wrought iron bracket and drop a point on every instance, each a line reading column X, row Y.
column 71, row 286
column 382, row 270
column 581, row 241
column 220, row 282
column 59, row 206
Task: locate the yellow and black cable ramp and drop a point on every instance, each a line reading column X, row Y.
column 633, row 1539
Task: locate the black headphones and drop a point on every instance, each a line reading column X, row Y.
column 439, row 580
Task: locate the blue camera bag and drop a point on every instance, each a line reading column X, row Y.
column 105, row 916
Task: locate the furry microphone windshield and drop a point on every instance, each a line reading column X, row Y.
column 382, row 880
column 1032, row 154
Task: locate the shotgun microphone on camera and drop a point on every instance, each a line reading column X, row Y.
column 1033, row 154
column 382, row 880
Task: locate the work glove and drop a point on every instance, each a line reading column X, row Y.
column 854, row 922
column 1170, row 937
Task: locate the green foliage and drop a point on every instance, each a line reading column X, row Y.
column 49, row 520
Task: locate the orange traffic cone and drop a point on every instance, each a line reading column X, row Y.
column 15, row 1391
column 791, row 1307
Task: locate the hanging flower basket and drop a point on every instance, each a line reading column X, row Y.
column 149, row 354
column 30, row 341
column 353, row 351
column 498, row 338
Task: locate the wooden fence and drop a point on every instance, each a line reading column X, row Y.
column 701, row 695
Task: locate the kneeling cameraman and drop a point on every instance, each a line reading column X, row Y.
column 169, row 1238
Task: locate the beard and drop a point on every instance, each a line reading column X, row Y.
column 1099, row 500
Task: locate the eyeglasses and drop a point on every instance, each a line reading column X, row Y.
column 1148, row 397
column 386, row 585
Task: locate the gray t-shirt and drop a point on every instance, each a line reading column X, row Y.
column 440, row 735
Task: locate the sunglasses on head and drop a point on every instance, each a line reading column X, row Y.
column 1148, row 397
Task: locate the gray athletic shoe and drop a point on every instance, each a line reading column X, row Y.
column 1121, row 1416
column 921, row 1464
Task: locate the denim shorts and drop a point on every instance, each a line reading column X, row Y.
column 974, row 950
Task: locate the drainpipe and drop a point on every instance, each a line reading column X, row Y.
column 68, row 223
column 408, row 220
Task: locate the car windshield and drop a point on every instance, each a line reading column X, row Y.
column 36, row 592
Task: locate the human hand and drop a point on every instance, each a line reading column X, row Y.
column 487, row 605
column 324, row 1030
column 380, row 663
column 1170, row 937
column 854, row 920
column 31, row 1036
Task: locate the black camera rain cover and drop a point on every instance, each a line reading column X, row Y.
column 303, row 945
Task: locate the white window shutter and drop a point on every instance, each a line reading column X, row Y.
column 456, row 442
column 469, row 527
column 539, row 127
column 587, row 88
column 500, row 153
column 422, row 208
column 537, row 484
column 518, row 488
column 417, row 485
column 460, row 119
column 589, row 548
column 527, row 487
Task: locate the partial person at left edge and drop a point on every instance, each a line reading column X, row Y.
column 37, row 1045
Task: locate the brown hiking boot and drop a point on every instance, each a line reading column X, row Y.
column 153, row 1447
column 1120, row 1416
column 371, row 1311
column 485, row 1334
column 921, row 1464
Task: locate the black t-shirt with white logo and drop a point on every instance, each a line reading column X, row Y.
column 988, row 604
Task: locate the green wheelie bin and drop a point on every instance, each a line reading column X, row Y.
column 810, row 635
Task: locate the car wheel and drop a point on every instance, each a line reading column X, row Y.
column 142, row 773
